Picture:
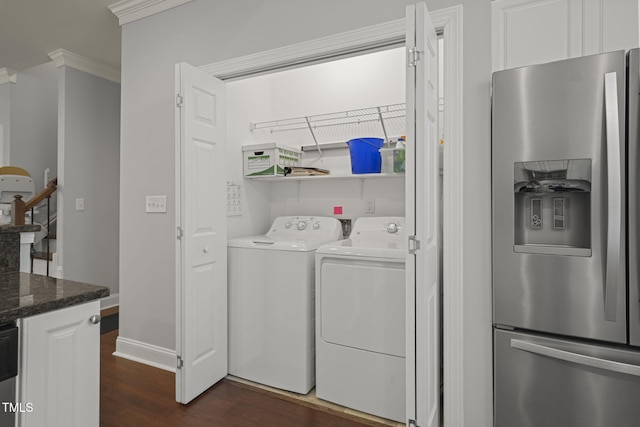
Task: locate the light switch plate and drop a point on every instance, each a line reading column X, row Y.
column 156, row 204
column 79, row 204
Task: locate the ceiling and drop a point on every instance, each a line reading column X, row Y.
column 30, row 29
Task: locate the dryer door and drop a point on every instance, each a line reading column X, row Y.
column 363, row 304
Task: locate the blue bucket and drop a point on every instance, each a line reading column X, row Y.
column 365, row 154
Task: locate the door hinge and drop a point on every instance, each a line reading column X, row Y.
column 414, row 245
column 179, row 232
column 412, row 423
column 179, row 100
column 413, row 56
column 179, row 363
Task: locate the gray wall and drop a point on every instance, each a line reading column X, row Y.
column 89, row 157
column 34, row 135
column 5, row 120
column 204, row 32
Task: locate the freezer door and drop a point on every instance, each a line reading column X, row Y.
column 558, row 197
column 633, row 136
column 547, row 382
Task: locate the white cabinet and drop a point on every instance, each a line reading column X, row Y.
column 526, row 32
column 60, row 368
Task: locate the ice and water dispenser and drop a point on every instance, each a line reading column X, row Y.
column 553, row 207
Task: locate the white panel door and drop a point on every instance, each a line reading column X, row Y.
column 201, row 294
column 422, row 173
column 60, row 368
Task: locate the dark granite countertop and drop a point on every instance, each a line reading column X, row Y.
column 8, row 228
column 25, row 294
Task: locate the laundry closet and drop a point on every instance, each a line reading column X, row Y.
column 298, row 320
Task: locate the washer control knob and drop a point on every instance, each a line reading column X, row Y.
column 288, row 225
column 316, row 225
column 392, row 227
column 302, row 225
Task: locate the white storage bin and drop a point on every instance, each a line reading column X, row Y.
column 392, row 160
column 269, row 159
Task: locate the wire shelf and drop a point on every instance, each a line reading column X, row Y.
column 384, row 122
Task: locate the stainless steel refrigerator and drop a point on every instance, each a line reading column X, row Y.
column 566, row 311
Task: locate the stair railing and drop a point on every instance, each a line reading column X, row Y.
column 20, row 207
column 31, row 204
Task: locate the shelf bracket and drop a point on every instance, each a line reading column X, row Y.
column 313, row 135
column 384, row 129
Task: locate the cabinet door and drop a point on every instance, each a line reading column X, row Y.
column 527, row 32
column 60, row 368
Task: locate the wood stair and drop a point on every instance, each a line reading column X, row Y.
column 46, row 256
column 39, row 259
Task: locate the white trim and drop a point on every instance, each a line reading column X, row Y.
column 7, row 76
column 450, row 21
column 350, row 42
column 112, row 300
column 55, row 269
column 26, row 238
column 65, row 58
column 178, row 225
column 147, row 354
column 4, row 151
column 132, row 10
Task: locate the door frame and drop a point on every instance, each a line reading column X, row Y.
column 378, row 37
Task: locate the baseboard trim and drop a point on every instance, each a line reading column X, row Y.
column 147, row 354
column 110, row 301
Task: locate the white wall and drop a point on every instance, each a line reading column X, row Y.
column 89, row 157
column 33, row 131
column 203, row 32
column 366, row 81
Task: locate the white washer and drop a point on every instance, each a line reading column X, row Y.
column 360, row 319
column 271, row 302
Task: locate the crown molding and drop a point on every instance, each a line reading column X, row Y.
column 132, row 10
column 8, row 76
column 65, row 58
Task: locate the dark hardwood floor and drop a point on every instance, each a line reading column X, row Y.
column 133, row 394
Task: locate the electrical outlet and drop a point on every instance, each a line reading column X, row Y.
column 79, row 204
column 156, row 204
column 370, row 205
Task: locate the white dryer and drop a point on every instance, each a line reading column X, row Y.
column 360, row 319
column 271, row 302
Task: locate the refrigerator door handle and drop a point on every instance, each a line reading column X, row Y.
column 614, row 197
column 580, row 359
